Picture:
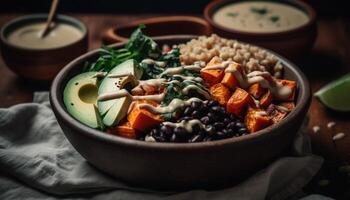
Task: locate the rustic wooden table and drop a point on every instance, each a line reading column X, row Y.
column 329, row 59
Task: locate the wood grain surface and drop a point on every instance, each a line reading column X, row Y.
column 329, row 60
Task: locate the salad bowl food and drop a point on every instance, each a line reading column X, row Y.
column 190, row 116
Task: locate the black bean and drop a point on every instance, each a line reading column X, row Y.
column 208, row 138
column 196, row 128
column 196, row 113
column 212, row 116
column 212, row 103
column 240, row 125
column 154, row 132
column 205, row 120
column 231, row 125
column 230, row 131
column 243, row 130
column 219, row 125
column 220, row 134
column 210, row 129
column 226, row 121
column 186, row 118
column 173, row 138
column 166, row 130
column 180, row 131
column 187, row 111
column 215, row 109
column 196, row 138
column 195, row 104
column 222, row 110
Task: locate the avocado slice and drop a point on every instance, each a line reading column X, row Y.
column 80, row 97
column 116, row 109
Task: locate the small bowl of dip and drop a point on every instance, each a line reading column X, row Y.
column 287, row 27
column 33, row 57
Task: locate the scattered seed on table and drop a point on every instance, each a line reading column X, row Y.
column 316, row 129
column 323, row 182
column 331, row 125
column 339, row 136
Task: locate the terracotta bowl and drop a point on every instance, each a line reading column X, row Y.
column 40, row 64
column 292, row 44
column 177, row 166
column 159, row 26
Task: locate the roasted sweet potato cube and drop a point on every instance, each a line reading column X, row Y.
column 141, row 119
column 292, row 85
column 276, row 114
column 124, row 129
column 230, row 79
column 256, row 119
column 239, row 100
column 289, row 105
column 256, row 90
column 220, row 93
column 213, row 76
column 266, row 99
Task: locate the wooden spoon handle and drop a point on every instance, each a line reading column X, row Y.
column 50, row 18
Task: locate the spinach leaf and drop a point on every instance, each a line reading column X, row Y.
column 171, row 58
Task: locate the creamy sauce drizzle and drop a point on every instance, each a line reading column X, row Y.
column 150, row 61
column 178, row 70
column 173, row 105
column 125, row 93
column 188, row 125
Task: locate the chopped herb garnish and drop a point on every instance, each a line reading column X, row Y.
column 232, row 14
column 274, row 18
column 260, row 11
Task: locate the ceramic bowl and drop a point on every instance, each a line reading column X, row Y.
column 177, row 166
column 40, row 64
column 159, row 26
column 292, row 44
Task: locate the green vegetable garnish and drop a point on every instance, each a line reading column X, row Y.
column 232, row 14
column 138, row 47
column 260, row 11
column 274, row 18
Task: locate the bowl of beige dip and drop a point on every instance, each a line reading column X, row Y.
column 287, row 27
column 41, row 58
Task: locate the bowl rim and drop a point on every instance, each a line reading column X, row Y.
column 215, row 5
column 80, row 128
column 78, row 23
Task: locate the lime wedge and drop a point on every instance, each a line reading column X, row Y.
column 336, row 95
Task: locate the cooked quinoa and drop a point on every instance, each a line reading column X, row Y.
column 252, row 58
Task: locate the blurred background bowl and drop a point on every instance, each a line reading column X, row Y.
column 292, row 44
column 40, row 64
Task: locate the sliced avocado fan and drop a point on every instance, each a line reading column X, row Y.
column 116, row 109
column 80, row 96
column 336, row 95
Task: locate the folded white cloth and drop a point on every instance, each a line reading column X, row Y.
column 37, row 161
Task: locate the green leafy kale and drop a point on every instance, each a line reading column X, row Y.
column 138, row 47
column 150, row 71
column 171, row 58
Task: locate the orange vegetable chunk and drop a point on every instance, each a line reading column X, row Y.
column 238, row 101
column 220, row 93
column 124, row 129
column 213, row 76
column 230, row 79
column 292, row 85
column 276, row 114
column 141, row 119
column 256, row 90
column 256, row 119
column 266, row 99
